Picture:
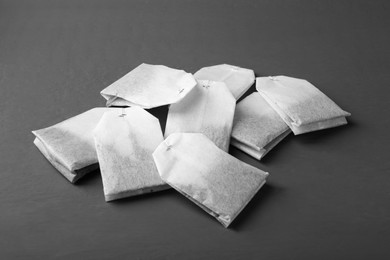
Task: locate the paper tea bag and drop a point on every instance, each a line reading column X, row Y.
column 257, row 128
column 149, row 86
column 69, row 145
column 208, row 109
column 125, row 142
column 213, row 179
column 238, row 80
column 302, row 106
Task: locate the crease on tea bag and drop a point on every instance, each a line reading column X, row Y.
column 208, row 109
column 257, row 128
column 301, row 105
column 69, row 145
column 238, row 80
column 214, row 180
column 125, row 140
column 149, row 86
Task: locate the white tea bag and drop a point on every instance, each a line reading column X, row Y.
column 211, row 178
column 302, row 106
column 149, row 86
column 257, row 128
column 238, row 80
column 208, row 109
column 69, row 145
column 125, row 140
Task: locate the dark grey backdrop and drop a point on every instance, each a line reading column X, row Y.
column 328, row 192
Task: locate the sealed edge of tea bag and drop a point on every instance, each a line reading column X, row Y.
column 132, row 193
column 72, row 176
column 224, row 219
column 256, row 151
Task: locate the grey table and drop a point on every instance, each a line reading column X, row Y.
column 328, row 192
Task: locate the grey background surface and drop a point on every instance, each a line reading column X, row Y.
column 328, row 192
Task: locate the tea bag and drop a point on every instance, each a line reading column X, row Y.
column 208, row 109
column 238, row 80
column 302, row 106
column 213, row 179
column 149, row 86
column 125, row 140
column 257, row 128
column 69, row 145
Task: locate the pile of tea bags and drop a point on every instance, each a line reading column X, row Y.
column 192, row 156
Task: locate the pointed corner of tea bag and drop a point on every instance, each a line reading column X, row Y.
column 225, row 220
column 109, row 102
column 186, row 83
column 109, row 198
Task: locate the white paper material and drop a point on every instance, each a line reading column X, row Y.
column 257, row 128
column 302, row 106
column 125, row 140
column 213, row 179
column 149, row 86
column 208, row 109
column 238, row 80
column 69, row 145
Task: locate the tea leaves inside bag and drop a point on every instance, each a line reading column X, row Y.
column 125, row 141
column 69, row 145
column 257, row 128
column 301, row 105
column 213, row 179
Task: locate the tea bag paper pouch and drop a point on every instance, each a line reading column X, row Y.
column 208, row 109
column 257, row 128
column 69, row 145
column 125, row 141
column 238, row 80
column 149, row 86
column 211, row 178
column 302, row 106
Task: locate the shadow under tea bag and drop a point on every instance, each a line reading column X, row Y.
column 208, row 109
column 214, row 180
column 238, row 80
column 149, row 86
column 125, row 140
column 69, row 145
column 257, row 128
column 302, row 106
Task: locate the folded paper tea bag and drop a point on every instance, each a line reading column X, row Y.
column 302, row 106
column 149, row 86
column 125, row 140
column 213, row 179
column 208, row 109
column 257, row 128
column 69, row 145
column 238, row 80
